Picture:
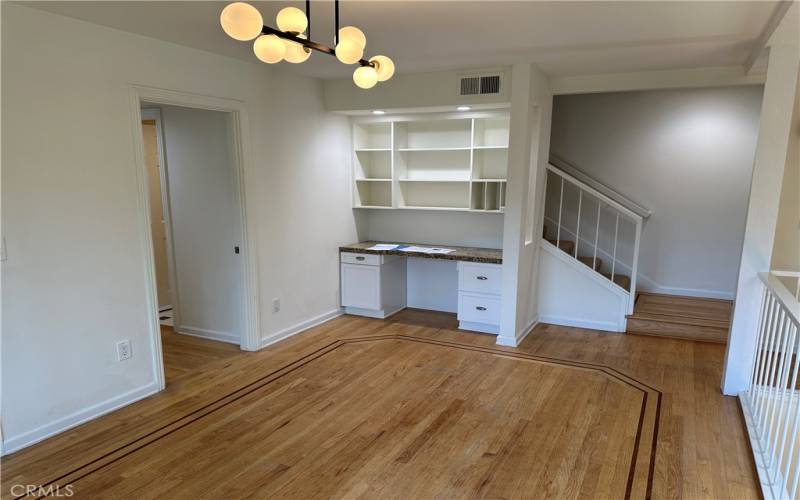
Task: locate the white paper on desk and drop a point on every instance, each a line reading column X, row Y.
column 427, row 250
column 383, row 246
column 415, row 249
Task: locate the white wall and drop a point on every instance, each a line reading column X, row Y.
column 687, row 155
column 74, row 282
column 206, row 225
column 571, row 294
column 786, row 251
column 443, row 228
column 529, row 148
column 774, row 134
column 409, row 91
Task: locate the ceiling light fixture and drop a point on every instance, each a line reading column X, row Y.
column 378, row 112
column 463, row 108
column 292, row 40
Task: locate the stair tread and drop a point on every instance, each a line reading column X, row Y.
column 682, row 320
column 620, row 279
column 565, row 245
column 588, row 261
column 714, row 339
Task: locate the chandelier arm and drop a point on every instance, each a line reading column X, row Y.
column 308, row 17
column 335, row 23
column 266, row 30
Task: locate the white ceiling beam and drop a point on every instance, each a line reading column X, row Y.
column 777, row 15
column 721, row 76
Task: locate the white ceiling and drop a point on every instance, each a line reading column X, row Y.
column 563, row 38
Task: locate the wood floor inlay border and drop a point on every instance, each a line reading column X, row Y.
column 651, row 406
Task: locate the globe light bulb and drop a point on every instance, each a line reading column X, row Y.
column 292, row 19
column 241, row 21
column 384, row 66
column 365, row 77
column 355, row 34
column 348, row 51
column 269, row 48
column 295, row 52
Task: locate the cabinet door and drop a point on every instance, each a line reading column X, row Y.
column 361, row 286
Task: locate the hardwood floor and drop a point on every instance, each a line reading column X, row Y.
column 413, row 408
column 689, row 318
column 184, row 353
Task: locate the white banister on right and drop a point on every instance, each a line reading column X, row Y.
column 771, row 404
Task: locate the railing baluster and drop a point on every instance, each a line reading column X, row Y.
column 758, row 387
column 759, row 339
column 786, row 405
column 560, row 208
column 597, row 233
column 614, row 258
column 578, row 224
column 768, row 363
column 773, row 391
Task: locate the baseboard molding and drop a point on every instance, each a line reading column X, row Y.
column 300, row 327
column 203, row 333
column 608, row 326
column 77, row 418
column 520, row 335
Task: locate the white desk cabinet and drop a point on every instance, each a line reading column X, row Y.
column 373, row 285
column 479, row 290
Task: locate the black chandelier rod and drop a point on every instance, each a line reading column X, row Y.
column 309, row 43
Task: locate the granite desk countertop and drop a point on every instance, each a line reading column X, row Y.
column 468, row 254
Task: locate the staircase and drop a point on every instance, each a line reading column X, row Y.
column 596, row 226
column 593, row 262
column 689, row 318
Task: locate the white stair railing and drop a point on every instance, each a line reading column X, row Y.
column 590, row 197
column 771, row 404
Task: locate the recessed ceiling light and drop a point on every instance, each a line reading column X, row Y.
column 378, row 112
column 463, row 108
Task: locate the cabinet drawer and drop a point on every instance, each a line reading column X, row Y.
column 479, row 308
column 482, row 278
column 361, row 258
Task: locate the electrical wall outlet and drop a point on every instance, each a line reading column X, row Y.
column 123, row 350
column 276, row 305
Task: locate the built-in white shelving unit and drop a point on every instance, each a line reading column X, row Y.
column 432, row 163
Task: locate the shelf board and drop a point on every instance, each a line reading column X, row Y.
column 481, row 211
column 455, row 209
column 368, row 150
column 367, row 179
column 463, row 181
column 381, row 207
column 411, row 150
column 489, row 180
column 490, row 147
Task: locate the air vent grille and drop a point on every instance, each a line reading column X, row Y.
column 490, row 84
column 476, row 85
column 470, row 85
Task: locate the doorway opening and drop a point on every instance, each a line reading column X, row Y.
column 201, row 296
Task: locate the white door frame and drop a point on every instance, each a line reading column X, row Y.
column 243, row 163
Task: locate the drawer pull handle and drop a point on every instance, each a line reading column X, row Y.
column 480, row 308
column 359, row 258
column 482, row 278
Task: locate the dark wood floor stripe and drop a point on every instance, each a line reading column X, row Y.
column 185, row 420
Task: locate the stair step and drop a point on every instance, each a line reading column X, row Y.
column 588, row 261
column 658, row 328
column 620, row 279
column 689, row 318
column 565, row 245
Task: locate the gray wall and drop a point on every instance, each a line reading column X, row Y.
column 685, row 154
